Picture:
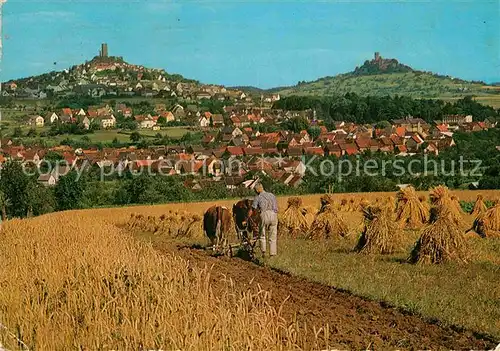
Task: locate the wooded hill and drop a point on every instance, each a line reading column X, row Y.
column 382, row 77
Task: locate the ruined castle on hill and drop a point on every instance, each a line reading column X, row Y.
column 379, row 65
column 105, row 57
column 104, row 50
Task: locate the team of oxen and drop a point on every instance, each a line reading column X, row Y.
column 217, row 225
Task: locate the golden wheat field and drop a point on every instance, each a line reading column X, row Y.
column 75, row 281
column 79, row 280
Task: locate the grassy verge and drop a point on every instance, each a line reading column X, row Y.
column 104, row 136
column 468, row 295
column 171, row 132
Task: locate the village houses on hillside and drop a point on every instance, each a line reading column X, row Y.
column 237, row 136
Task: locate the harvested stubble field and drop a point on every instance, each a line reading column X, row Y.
column 80, row 280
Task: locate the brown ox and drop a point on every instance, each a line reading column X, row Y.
column 216, row 224
column 244, row 223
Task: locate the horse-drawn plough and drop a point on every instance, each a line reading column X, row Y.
column 246, row 230
column 228, row 249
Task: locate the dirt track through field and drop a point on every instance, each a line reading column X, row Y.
column 354, row 323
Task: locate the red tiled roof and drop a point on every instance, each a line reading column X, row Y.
column 363, row 143
column 386, row 142
column 143, row 163
column 400, row 131
column 396, row 139
column 315, row 150
column 271, row 151
column 67, row 112
column 417, row 139
column 294, row 151
column 253, row 151
column 235, row 150
column 345, row 146
column 442, row 127
column 402, row 148
column 352, row 150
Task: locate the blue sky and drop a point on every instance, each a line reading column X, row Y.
column 257, row 43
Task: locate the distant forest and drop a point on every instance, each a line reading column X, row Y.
column 371, row 109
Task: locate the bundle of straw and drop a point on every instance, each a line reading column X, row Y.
column 187, row 228
column 150, row 224
column 293, row 221
column 344, row 205
column 173, row 224
column 132, row 222
column 411, row 212
column 327, row 223
column 441, row 241
column 380, row 234
column 139, row 222
column 163, row 225
column 479, row 206
column 326, row 200
column 456, row 205
column 440, row 197
column 309, row 213
column 487, row 224
column 352, row 205
column 425, row 203
column 363, row 204
column 390, row 206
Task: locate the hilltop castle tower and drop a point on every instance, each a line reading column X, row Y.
column 104, row 50
column 377, row 56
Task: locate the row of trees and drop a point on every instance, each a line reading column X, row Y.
column 21, row 195
column 371, row 109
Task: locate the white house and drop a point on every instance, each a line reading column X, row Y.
column 295, row 167
column 204, row 122
column 108, row 121
column 236, row 132
column 146, row 122
column 86, row 122
column 215, row 167
column 79, row 112
column 37, row 121
column 169, row 116
column 47, row 179
column 50, row 179
column 52, row 117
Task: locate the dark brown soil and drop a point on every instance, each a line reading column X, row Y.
column 355, row 323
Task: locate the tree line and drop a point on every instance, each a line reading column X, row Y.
column 372, row 109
